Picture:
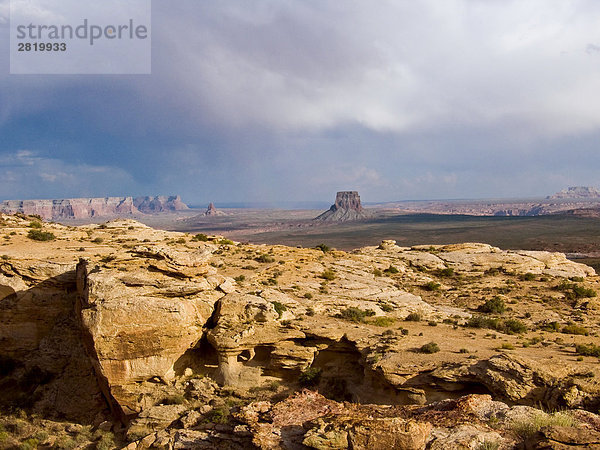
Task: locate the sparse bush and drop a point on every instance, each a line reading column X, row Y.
column 575, row 291
column 310, row 377
column 354, row 314
column 463, row 350
column 588, row 349
column 225, row 242
column 377, row 272
column 310, row 312
column 414, row 317
column 264, row 259
column 328, row 275
column 575, row 329
column 240, row 278
column 106, row 442
column 35, row 224
column 201, row 237
column 29, row 444
column 324, row 248
column 108, row 258
column 494, row 306
column 38, row 235
column 391, row 270
column 507, row 346
column 386, row 307
column 508, row 326
column 279, row 308
column 383, row 321
column 308, row 296
column 219, row 414
column 175, row 399
column 447, row 272
column 528, row 427
column 432, row 286
column 98, row 240
column 431, row 347
column 527, row 276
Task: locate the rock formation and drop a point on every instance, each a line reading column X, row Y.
column 347, row 207
column 577, row 192
column 85, row 208
column 172, row 342
column 211, row 211
column 150, row 205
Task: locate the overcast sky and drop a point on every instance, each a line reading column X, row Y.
column 281, row 100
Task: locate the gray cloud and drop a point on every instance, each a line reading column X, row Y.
column 267, row 100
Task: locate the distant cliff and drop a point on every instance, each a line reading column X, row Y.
column 577, row 192
column 85, row 208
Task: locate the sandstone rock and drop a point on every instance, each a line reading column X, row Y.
column 347, row 207
column 576, row 192
column 211, row 211
column 464, row 437
column 135, row 335
column 561, row 437
column 85, row 208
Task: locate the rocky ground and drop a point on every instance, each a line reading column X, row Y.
column 119, row 335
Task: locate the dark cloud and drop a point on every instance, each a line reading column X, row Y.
column 269, row 100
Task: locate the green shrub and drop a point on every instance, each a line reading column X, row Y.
column 308, row 296
column 383, row 321
column 414, row 317
column 240, row 278
column 508, row 326
column 391, row 270
column 225, row 242
column 219, row 414
column 200, row 237
column 310, row 377
column 527, row 276
column 575, row 291
column 377, row 272
column 108, row 258
column 447, row 272
column 175, row 399
column 575, row 329
column 354, row 314
column 386, row 307
column 528, row 427
column 324, row 248
column 29, row 444
column 38, row 235
column 588, row 349
column 35, row 224
column 328, row 275
column 431, row 347
column 494, row 306
column 264, row 259
column 432, row 286
column 106, row 442
column 279, row 308
column 507, row 346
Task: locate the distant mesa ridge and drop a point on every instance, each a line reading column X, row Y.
column 347, row 207
column 577, row 192
column 85, row 208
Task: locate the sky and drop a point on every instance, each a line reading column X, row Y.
column 293, row 100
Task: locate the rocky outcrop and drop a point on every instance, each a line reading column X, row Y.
column 86, row 208
column 211, row 211
column 347, row 207
column 152, row 205
column 577, row 192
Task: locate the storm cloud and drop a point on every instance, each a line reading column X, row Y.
column 271, row 100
